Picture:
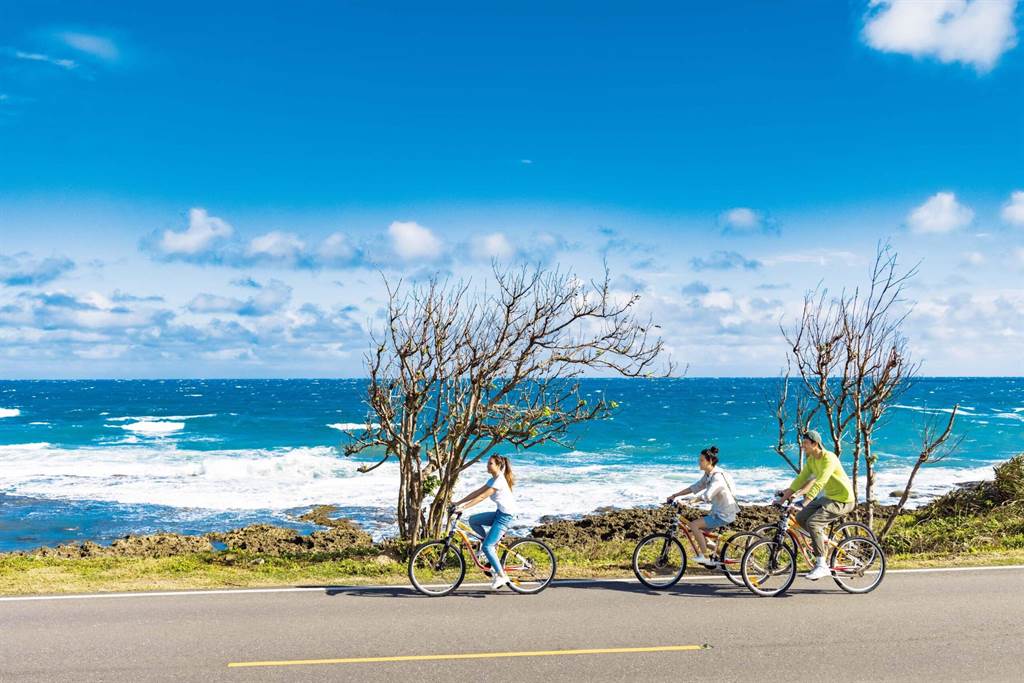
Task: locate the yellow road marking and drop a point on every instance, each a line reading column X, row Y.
column 473, row 655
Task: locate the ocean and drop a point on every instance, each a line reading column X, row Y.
column 99, row 459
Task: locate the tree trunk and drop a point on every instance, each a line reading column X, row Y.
column 856, row 473
column 410, row 502
column 869, row 484
column 438, row 512
column 903, row 497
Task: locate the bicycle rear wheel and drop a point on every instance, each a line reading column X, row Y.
column 529, row 565
column 436, row 568
column 858, row 564
column 659, row 561
column 730, row 555
column 768, row 568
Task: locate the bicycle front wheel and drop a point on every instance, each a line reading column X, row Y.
column 769, row 530
column 858, row 564
column 436, row 568
column 529, row 565
column 768, row 568
column 731, row 554
column 659, row 561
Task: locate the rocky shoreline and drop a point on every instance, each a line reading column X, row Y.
column 341, row 537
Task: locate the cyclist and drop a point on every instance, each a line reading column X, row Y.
column 822, row 474
column 718, row 489
column 499, row 489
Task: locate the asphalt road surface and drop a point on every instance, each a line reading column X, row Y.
column 956, row 625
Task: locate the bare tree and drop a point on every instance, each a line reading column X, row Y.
column 879, row 363
column 780, row 404
column 853, row 359
column 456, row 373
column 817, row 348
column 935, row 446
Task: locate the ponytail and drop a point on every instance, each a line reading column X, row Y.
column 506, row 466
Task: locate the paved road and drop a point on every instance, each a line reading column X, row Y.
column 916, row 626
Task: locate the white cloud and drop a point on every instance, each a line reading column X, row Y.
column 720, row 299
column 745, row 221
column 268, row 299
column 202, row 233
column 21, row 270
column 413, row 242
column 277, row 246
column 1013, row 210
column 973, row 258
column 337, row 249
column 493, row 246
column 724, row 260
column 97, row 46
column 973, row 32
column 941, row 213
column 821, row 257
column 68, row 64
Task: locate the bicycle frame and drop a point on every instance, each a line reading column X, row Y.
column 800, row 540
column 675, row 526
column 466, row 535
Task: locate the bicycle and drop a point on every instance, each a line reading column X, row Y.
column 437, row 567
column 659, row 560
column 769, row 566
column 837, row 529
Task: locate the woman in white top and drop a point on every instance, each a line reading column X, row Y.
column 499, row 489
column 717, row 488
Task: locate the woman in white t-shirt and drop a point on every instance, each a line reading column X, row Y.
column 499, row 489
column 716, row 487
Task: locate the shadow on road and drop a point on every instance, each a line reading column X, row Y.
column 682, row 589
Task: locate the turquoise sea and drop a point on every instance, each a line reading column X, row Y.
column 99, row 459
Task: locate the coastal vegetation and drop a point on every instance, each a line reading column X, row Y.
column 977, row 524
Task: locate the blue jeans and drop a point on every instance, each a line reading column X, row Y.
column 499, row 522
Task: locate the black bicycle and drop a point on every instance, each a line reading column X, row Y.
column 659, row 560
column 769, row 566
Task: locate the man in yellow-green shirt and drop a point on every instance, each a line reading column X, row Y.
column 822, row 474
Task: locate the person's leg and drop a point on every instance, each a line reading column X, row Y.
column 697, row 527
column 806, row 519
column 480, row 521
column 828, row 513
column 501, row 524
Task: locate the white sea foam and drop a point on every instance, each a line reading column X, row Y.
column 153, row 428
column 153, row 418
column 352, row 426
column 281, row 479
column 9, row 412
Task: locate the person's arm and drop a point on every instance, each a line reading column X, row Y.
column 801, row 479
column 693, row 488
column 813, row 487
column 474, row 498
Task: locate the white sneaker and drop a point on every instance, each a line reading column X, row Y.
column 819, row 572
column 707, row 562
column 498, row 582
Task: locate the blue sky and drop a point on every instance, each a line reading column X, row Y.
column 195, row 190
